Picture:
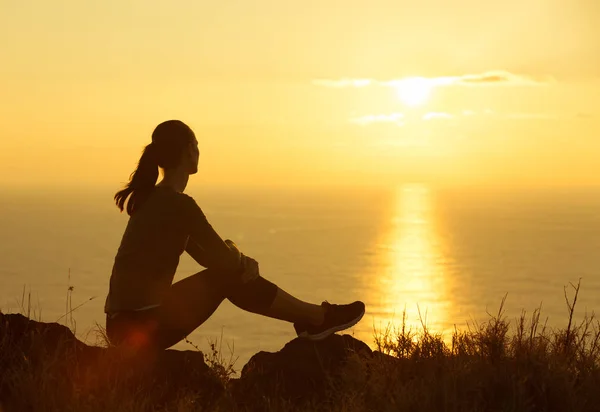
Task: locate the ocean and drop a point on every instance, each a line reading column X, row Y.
column 444, row 257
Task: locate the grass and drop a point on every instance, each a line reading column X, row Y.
column 496, row 365
column 491, row 367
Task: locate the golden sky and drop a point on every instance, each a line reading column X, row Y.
column 280, row 92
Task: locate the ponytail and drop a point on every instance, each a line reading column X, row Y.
column 141, row 182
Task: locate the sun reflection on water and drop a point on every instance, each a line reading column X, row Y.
column 410, row 275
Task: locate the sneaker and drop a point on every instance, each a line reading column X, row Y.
column 337, row 318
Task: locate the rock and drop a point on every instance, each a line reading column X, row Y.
column 52, row 348
column 22, row 332
column 301, row 371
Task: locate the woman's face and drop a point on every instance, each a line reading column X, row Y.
column 193, row 156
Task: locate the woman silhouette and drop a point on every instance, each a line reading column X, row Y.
column 143, row 307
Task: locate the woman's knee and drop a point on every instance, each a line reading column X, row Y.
column 256, row 295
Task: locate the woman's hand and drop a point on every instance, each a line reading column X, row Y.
column 250, row 265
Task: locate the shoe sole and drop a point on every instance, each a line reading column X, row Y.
column 332, row 330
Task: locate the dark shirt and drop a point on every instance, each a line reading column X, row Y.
column 165, row 225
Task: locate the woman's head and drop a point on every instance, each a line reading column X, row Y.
column 173, row 146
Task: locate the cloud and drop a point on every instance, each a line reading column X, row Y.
column 499, row 78
column 490, row 78
column 485, row 78
column 436, row 115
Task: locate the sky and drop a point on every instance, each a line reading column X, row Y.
column 313, row 92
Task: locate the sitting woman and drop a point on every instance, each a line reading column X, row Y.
column 143, row 307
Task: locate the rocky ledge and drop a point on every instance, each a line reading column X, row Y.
column 301, row 373
column 43, row 367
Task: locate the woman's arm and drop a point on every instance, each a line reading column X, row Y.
column 205, row 246
column 196, row 252
column 199, row 254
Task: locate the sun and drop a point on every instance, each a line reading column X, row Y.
column 413, row 91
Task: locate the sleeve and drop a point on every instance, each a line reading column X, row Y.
column 205, row 245
column 197, row 253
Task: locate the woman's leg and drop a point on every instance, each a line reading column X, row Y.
column 188, row 304
column 191, row 301
column 276, row 303
column 313, row 322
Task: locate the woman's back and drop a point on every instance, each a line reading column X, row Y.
column 154, row 239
